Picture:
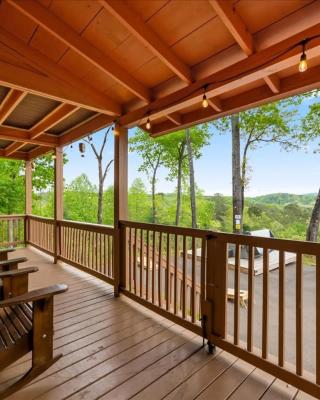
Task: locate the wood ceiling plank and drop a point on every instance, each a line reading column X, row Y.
column 10, row 102
column 234, row 24
column 67, row 35
column 138, row 28
column 290, row 86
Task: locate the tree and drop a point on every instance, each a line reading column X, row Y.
column 179, row 160
column 311, row 131
column 269, row 124
column 151, row 153
column 139, row 204
column 102, row 170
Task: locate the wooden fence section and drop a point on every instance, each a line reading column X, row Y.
column 41, row 233
column 87, row 246
column 163, row 272
column 12, row 230
column 247, row 343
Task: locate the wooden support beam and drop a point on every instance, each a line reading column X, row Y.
column 136, row 25
column 10, row 102
column 54, row 25
column 64, row 85
column 58, row 198
column 19, row 155
column 251, row 69
column 90, row 126
column 120, row 201
column 22, row 135
column 37, row 152
column 234, row 24
column 28, row 187
column 215, row 103
column 175, row 118
column 273, row 82
column 290, row 86
column 13, row 147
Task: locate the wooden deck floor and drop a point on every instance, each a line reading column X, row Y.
column 115, row 349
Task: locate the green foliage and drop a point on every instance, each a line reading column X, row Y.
column 12, row 198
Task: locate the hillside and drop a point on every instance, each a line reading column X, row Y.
column 283, row 199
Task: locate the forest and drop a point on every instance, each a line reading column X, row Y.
column 286, row 215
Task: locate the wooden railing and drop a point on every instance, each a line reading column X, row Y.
column 41, row 233
column 190, row 276
column 12, row 230
column 88, row 247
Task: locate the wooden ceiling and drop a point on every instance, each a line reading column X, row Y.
column 68, row 68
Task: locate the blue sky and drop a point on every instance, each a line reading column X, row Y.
column 272, row 169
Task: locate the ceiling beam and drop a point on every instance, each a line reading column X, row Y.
column 136, row 25
column 270, row 60
column 86, row 128
column 215, row 103
column 10, row 102
column 175, row 118
column 290, row 86
column 273, row 82
column 22, row 135
column 90, row 98
column 37, row 152
column 234, row 25
column 58, row 114
column 19, row 155
column 58, row 28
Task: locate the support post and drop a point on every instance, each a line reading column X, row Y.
column 120, row 205
column 58, row 199
column 216, row 286
column 28, row 199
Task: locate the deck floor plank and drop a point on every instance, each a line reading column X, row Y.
column 116, row 349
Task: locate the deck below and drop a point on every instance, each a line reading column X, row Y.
column 116, row 349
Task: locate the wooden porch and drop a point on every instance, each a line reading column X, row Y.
column 114, row 348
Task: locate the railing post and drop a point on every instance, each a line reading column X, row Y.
column 216, row 287
column 28, row 199
column 58, row 199
column 120, row 204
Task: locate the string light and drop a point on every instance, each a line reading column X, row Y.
column 148, row 124
column 303, row 65
column 205, row 102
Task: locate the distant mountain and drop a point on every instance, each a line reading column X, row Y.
column 282, row 199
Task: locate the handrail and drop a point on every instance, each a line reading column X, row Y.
column 87, row 225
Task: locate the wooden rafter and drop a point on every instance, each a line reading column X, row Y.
column 10, row 102
column 86, row 96
column 255, row 67
column 19, row 155
column 294, row 84
column 234, row 24
column 215, row 103
column 135, row 24
column 72, row 39
column 175, row 118
column 273, row 82
column 53, row 118
column 23, row 135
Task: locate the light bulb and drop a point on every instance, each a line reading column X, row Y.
column 54, row 156
column 303, row 65
column 204, row 101
column 148, row 124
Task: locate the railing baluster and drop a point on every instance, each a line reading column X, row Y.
column 265, row 304
column 148, row 265
column 193, row 280
column 281, row 332
column 141, row 263
column 236, row 293
column 168, row 274
column 135, row 262
column 130, row 259
column 175, row 272
column 250, row 298
column 159, row 270
column 184, row 272
column 299, row 302
column 153, row 264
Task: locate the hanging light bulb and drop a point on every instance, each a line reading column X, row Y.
column 54, row 156
column 82, row 148
column 148, row 124
column 205, row 103
column 303, row 65
column 71, row 146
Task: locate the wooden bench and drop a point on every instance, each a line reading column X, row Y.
column 7, row 265
column 14, row 281
column 28, row 327
column 4, row 253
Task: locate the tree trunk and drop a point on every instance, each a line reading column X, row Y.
column 100, row 192
column 191, row 180
column 153, row 189
column 237, row 184
column 313, row 228
column 179, row 183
